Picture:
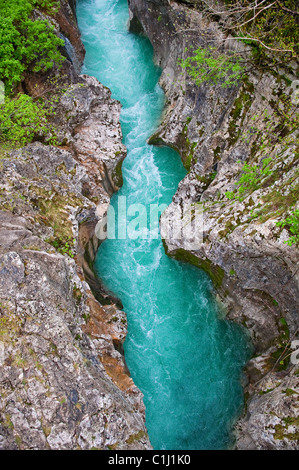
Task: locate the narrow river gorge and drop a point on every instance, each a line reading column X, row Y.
column 184, row 357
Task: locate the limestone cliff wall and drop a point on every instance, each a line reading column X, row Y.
column 216, row 130
column 63, row 379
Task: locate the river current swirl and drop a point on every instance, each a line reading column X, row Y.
column 186, row 360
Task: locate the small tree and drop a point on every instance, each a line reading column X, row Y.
column 209, row 65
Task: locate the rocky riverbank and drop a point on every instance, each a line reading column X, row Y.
column 64, row 383
column 217, row 130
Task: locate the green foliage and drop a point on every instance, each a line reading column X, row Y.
column 64, row 246
column 20, row 120
column 292, row 224
column 26, row 43
column 50, row 6
column 251, row 178
column 252, row 175
column 209, row 65
column 230, row 195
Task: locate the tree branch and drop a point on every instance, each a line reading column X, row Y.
column 263, row 44
column 287, row 9
column 255, row 15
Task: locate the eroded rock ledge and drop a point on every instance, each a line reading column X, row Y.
column 63, row 379
column 254, row 272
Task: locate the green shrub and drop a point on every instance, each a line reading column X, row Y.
column 25, row 43
column 208, row 65
column 252, row 175
column 251, row 178
column 292, row 224
column 20, row 120
column 23, row 119
column 64, row 246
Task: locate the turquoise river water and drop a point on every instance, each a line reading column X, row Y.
column 185, row 359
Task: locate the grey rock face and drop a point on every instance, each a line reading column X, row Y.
column 272, row 416
column 64, row 383
column 216, row 130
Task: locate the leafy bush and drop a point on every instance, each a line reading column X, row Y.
column 251, row 177
column 64, row 246
column 48, row 5
column 21, row 119
column 25, row 43
column 292, row 224
column 209, row 65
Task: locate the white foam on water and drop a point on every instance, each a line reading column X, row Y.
column 184, row 359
